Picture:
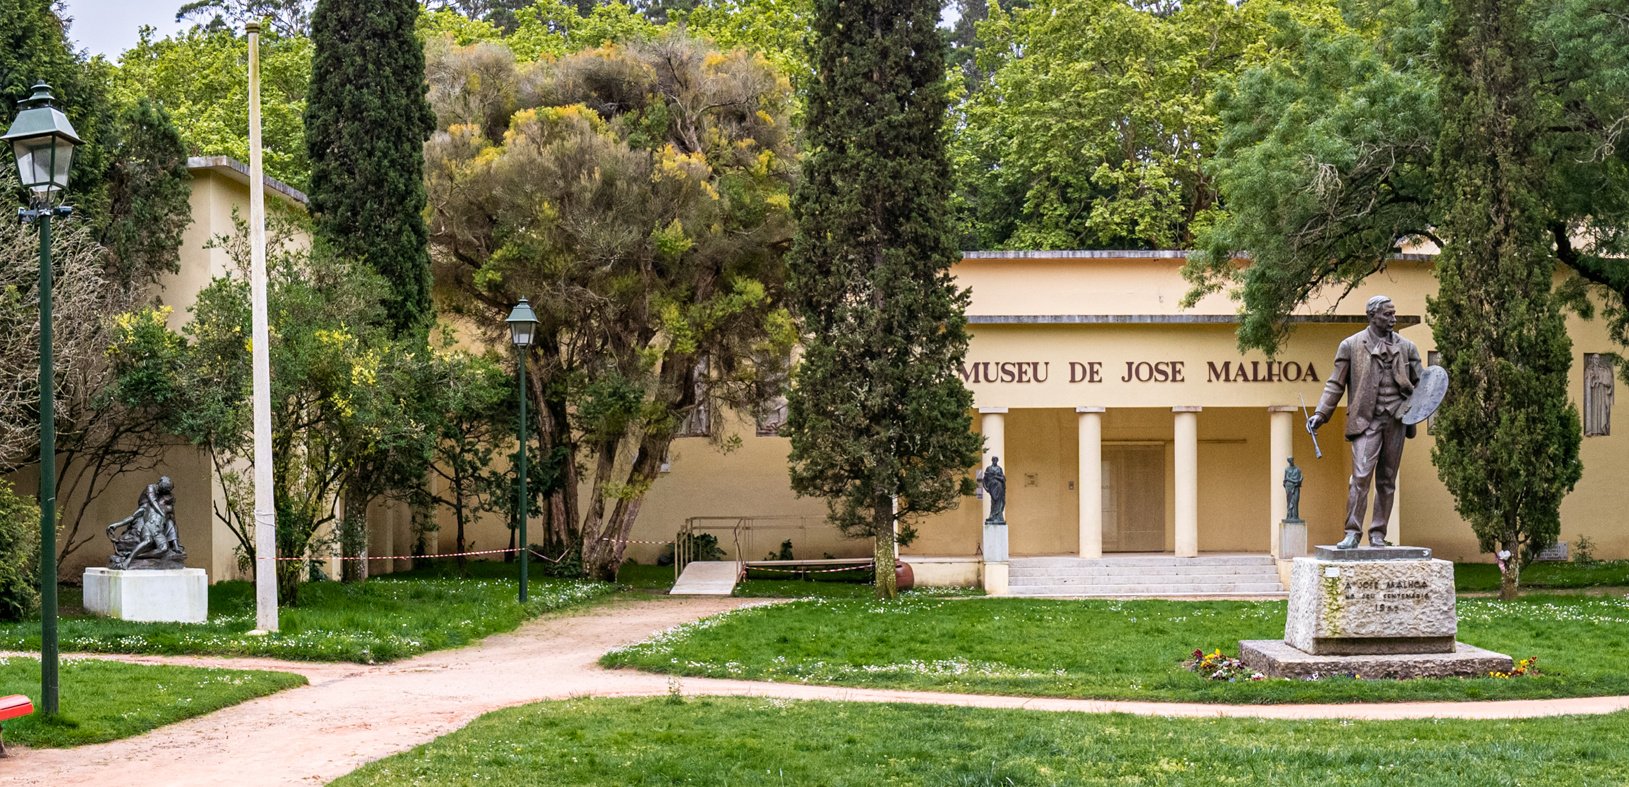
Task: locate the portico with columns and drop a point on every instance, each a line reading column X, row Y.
column 1128, row 426
column 1207, row 480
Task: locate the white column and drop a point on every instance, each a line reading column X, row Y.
column 1187, row 480
column 993, row 424
column 1393, row 532
column 1091, row 481
column 1280, row 448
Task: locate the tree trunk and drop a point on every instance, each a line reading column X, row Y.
column 613, row 544
column 353, row 536
column 554, row 438
column 596, row 530
column 882, row 526
column 288, row 581
column 458, row 518
column 1509, row 579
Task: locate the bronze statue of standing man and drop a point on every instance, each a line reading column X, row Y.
column 1377, row 370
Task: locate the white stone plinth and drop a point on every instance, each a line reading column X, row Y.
column 1292, row 538
column 178, row 595
column 995, row 543
column 1352, row 607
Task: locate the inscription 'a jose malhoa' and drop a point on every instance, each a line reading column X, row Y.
column 1388, row 595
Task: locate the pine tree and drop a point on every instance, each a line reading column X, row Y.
column 877, row 416
column 1507, row 438
column 366, row 124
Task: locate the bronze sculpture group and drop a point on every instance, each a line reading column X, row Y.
column 147, row 538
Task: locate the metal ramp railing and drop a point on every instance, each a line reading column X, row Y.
column 742, row 533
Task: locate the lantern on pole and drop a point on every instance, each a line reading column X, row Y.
column 522, row 330
column 43, row 142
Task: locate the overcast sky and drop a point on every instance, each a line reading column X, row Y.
column 109, row 27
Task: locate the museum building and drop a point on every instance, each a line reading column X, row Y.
column 1128, row 425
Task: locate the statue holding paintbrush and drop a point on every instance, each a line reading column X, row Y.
column 1388, row 392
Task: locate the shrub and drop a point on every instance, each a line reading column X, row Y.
column 703, row 546
column 19, row 555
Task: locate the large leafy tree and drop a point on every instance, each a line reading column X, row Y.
column 879, row 421
column 1091, row 125
column 636, row 194
column 1507, row 438
column 197, row 78
column 1327, row 162
column 1497, row 140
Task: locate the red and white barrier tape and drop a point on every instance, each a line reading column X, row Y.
column 450, row 554
column 397, row 557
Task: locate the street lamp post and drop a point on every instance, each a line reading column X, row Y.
column 43, row 141
column 522, row 328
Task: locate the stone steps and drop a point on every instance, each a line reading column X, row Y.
column 1270, row 589
column 1016, row 570
column 1145, row 576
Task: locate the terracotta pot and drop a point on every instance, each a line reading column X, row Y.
column 904, row 577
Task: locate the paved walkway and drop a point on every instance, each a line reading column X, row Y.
column 353, row 714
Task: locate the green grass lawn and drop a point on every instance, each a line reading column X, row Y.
column 754, row 741
column 381, row 620
column 104, row 700
column 1484, row 577
column 1114, row 649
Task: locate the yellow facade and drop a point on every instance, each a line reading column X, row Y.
column 1060, row 339
column 1124, row 422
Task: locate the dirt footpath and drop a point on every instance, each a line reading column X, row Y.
column 353, row 714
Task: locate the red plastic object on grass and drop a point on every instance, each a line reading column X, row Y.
column 12, row 707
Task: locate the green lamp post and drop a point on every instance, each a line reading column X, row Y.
column 522, row 329
column 43, row 141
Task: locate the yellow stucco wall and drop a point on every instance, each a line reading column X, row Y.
column 1083, row 322
column 1015, row 295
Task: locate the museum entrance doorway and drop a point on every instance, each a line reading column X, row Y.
column 1134, row 498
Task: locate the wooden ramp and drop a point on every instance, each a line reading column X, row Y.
column 707, row 578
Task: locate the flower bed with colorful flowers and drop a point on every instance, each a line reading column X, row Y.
column 1525, row 668
column 1216, row 666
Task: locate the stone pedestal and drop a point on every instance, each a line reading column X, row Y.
column 995, row 543
column 1374, row 612
column 1375, row 605
column 1292, row 538
column 178, row 595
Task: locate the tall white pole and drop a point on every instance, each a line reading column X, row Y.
column 265, row 503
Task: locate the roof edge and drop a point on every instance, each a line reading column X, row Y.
column 238, row 171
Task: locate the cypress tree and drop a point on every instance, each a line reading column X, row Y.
column 877, row 416
column 366, row 123
column 148, row 195
column 1507, row 438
